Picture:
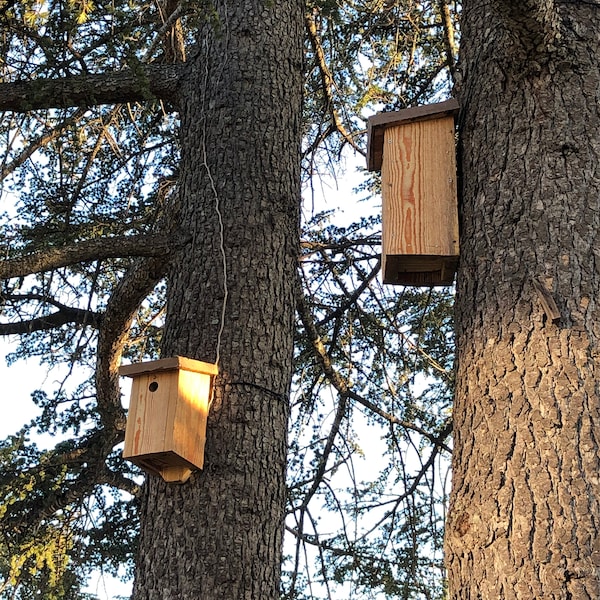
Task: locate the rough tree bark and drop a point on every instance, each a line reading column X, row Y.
column 219, row 535
column 525, row 507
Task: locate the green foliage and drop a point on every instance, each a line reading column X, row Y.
column 379, row 55
column 37, row 558
column 56, row 524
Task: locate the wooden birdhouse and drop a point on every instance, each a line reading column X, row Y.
column 415, row 151
column 166, row 424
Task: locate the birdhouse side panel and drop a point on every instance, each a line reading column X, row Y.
column 189, row 426
column 151, row 414
column 419, row 189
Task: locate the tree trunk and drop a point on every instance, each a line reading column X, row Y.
column 525, row 506
column 220, row 534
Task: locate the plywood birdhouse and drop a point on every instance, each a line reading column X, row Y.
column 415, row 151
column 168, row 410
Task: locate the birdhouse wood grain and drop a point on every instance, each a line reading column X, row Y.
column 166, row 424
column 415, row 151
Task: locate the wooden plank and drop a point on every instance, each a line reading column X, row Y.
column 151, row 414
column 419, row 199
column 168, row 465
column 189, row 423
column 421, row 271
column 168, row 412
column 379, row 123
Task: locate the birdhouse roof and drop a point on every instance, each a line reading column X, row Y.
column 174, row 363
column 378, row 123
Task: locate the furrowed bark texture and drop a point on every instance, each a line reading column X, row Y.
column 220, row 534
column 525, row 506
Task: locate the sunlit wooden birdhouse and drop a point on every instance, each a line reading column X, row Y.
column 166, row 424
column 415, row 151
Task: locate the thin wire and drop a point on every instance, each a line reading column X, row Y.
column 217, row 204
column 223, row 255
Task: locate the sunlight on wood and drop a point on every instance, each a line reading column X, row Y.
column 166, row 425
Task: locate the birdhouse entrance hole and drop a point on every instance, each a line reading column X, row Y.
column 168, row 410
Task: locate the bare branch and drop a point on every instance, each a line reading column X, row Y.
column 96, row 249
column 342, row 388
column 119, row 481
column 310, row 247
column 144, row 83
column 65, row 314
column 37, row 143
column 350, row 298
column 449, row 37
column 171, row 12
column 333, row 432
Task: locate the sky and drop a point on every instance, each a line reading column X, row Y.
column 18, row 381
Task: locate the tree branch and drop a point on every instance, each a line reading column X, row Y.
column 328, row 83
column 350, row 298
column 310, row 247
column 40, row 141
column 65, row 314
column 137, row 283
column 342, row 388
column 144, row 83
column 85, row 462
column 449, row 37
column 96, row 249
column 51, row 321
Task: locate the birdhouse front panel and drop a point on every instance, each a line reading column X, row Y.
column 415, row 150
column 149, row 413
column 420, row 221
column 168, row 411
